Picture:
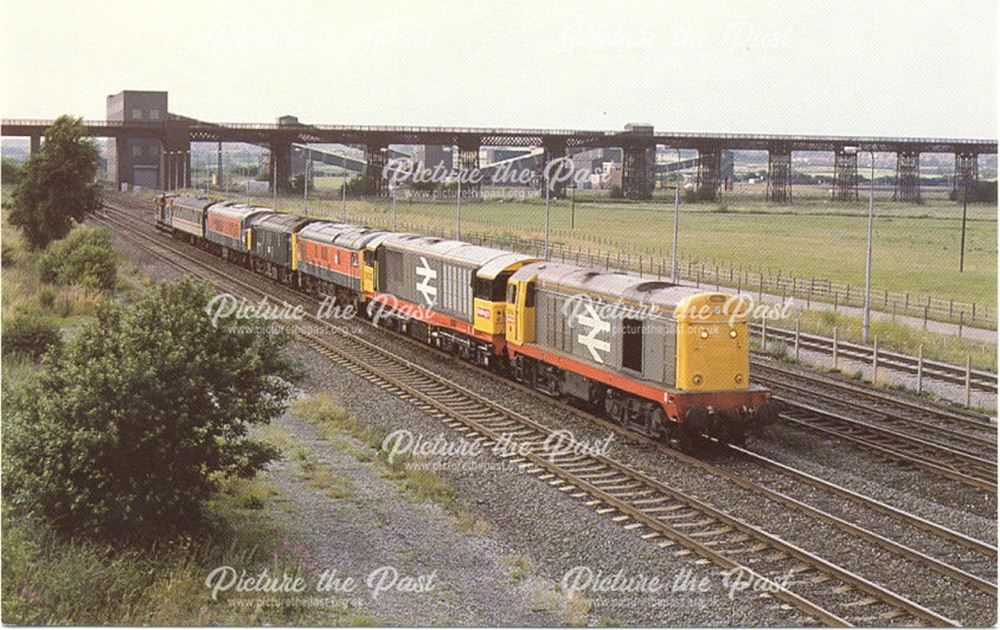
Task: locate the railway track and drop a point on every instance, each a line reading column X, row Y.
column 945, row 372
column 965, row 430
column 953, row 463
column 630, row 497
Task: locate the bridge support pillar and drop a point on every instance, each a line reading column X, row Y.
column 218, row 169
column 553, row 149
column 281, row 165
column 175, row 156
column 175, row 168
column 726, row 169
column 845, row 175
column 36, row 145
column 966, row 174
column 708, row 173
column 468, row 164
column 779, row 175
column 376, row 154
column 638, row 171
column 907, row 176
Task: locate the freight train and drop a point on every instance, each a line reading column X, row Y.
column 667, row 360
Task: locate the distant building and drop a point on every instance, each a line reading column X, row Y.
column 432, row 155
column 136, row 161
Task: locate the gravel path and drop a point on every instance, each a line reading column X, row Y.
column 371, row 524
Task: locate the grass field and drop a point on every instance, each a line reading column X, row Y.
column 916, row 246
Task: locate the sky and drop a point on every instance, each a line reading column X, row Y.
column 900, row 68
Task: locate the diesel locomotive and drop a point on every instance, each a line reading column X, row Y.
column 667, row 360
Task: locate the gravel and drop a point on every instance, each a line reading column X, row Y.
column 528, row 517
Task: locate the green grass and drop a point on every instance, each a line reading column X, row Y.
column 335, row 425
column 48, row 580
column 916, row 246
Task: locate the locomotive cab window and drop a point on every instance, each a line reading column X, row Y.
column 512, row 294
column 632, row 344
column 491, row 290
column 529, row 295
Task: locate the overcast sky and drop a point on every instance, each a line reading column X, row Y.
column 884, row 68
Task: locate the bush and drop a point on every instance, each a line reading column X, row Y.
column 125, row 433
column 86, row 257
column 29, row 334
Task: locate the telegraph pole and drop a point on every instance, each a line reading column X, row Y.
column 572, row 209
column 305, row 182
column 965, row 207
column 274, row 179
column 546, row 213
column 868, row 260
column 458, row 216
column 677, row 207
column 343, row 192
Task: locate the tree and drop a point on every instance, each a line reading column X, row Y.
column 127, row 431
column 11, row 172
column 58, row 184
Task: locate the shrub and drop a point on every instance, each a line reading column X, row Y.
column 86, row 257
column 29, row 334
column 126, row 432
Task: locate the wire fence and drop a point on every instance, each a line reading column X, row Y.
column 761, row 281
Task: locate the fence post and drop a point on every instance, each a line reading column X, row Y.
column 875, row 362
column 763, row 331
column 835, row 299
column 920, row 368
column 835, row 347
column 798, row 325
column 925, row 317
column 760, row 292
column 968, row 380
column 961, row 323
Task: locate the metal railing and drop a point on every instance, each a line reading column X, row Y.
column 663, row 137
column 795, row 341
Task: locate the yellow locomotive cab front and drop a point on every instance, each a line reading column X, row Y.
column 713, row 350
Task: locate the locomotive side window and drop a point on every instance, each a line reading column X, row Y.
column 482, row 289
column 632, row 344
column 529, row 296
column 512, row 294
